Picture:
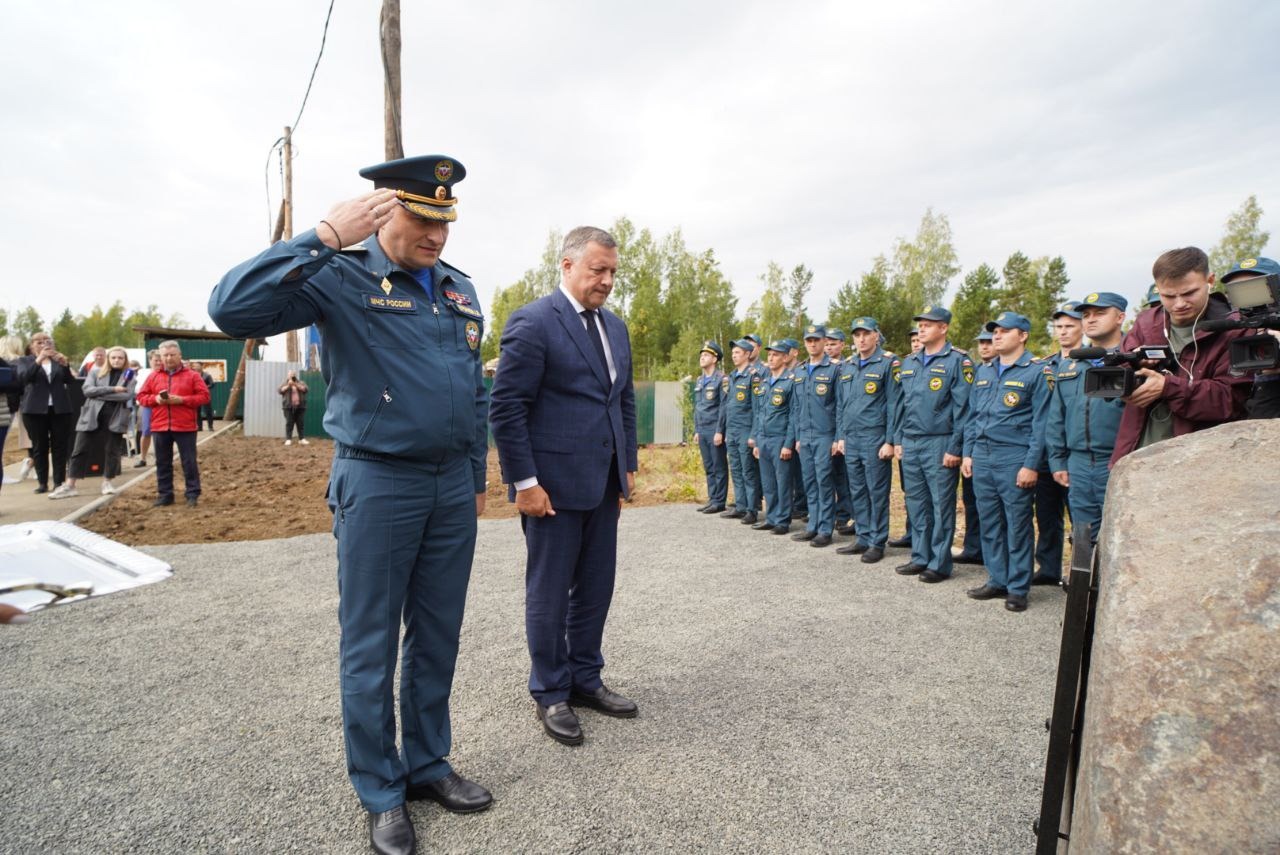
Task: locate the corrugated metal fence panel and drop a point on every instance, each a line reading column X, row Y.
column 261, row 408
column 668, row 413
column 644, row 412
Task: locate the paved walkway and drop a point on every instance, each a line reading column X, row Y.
column 791, row 700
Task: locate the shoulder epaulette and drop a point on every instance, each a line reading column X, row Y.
column 960, row 350
column 444, row 263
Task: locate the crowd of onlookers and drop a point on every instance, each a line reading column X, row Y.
column 72, row 421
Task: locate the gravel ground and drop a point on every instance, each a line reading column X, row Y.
column 791, row 700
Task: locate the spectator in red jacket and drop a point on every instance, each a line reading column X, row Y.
column 1198, row 391
column 175, row 395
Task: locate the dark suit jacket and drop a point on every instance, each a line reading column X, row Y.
column 39, row 386
column 553, row 411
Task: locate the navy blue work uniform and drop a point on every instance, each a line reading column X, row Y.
column 1050, row 502
column 865, row 400
column 1079, row 438
column 1005, row 433
column 774, row 432
column 407, row 408
column 814, row 413
column 708, row 397
column 736, row 417
column 932, row 405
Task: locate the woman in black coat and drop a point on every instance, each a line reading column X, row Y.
column 47, row 409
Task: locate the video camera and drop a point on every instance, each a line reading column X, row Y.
column 1257, row 299
column 1117, row 376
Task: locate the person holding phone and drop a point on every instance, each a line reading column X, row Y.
column 104, row 420
column 47, row 411
column 293, row 400
column 175, row 394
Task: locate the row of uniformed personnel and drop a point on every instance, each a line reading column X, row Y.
column 1018, row 429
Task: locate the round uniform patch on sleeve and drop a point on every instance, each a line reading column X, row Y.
column 1011, row 399
column 472, row 330
column 935, row 383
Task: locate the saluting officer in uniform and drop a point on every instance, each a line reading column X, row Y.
column 1003, row 448
column 814, row 409
column 407, row 408
column 774, row 437
column 736, row 415
column 708, row 396
column 834, row 348
column 1081, row 431
column 971, row 547
column 928, row 438
column 865, row 399
column 1050, row 496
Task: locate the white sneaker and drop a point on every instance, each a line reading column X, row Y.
column 26, row 470
column 108, row 489
column 303, row 442
column 62, row 491
column 288, row 442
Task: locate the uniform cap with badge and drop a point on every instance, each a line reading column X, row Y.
column 815, row 331
column 986, row 335
column 1071, row 309
column 835, row 333
column 1010, row 321
column 934, row 313
column 1106, row 300
column 1153, row 296
column 744, row 344
column 423, row 185
column 712, row 348
column 781, row 345
column 870, row 325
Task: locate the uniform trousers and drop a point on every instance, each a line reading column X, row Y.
column 1006, row 512
column 931, row 500
column 840, row 486
column 775, row 480
column 715, row 465
column 819, row 489
column 1050, row 501
column 406, row 535
column 746, row 477
column 869, row 480
column 569, row 575
column 1089, row 473
column 972, row 544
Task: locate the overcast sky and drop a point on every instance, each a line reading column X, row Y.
column 136, row 133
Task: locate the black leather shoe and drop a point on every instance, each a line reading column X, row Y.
column 782, row 529
column 847, row 528
column 967, row 559
column 763, row 525
column 821, row 540
column 909, row 569
column 749, row 518
column 1015, row 603
column 933, row 577
column 560, row 722
column 851, row 549
column 734, row 514
column 987, row 592
column 606, row 701
column 391, row 832
column 804, row 535
column 162, row 502
column 703, row 509
column 872, row 555
column 1039, row 579
column 41, row 488
column 452, row 792
column 192, row 501
column 713, row 509
column 903, row 542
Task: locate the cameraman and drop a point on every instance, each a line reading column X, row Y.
column 1198, row 391
column 1265, row 402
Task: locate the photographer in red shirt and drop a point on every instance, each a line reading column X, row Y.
column 175, row 395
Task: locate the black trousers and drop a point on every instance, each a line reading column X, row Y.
column 205, row 415
column 293, row 419
column 92, row 445
column 50, row 434
column 163, row 443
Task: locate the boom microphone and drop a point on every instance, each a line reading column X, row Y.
column 1087, row 353
column 1219, row 325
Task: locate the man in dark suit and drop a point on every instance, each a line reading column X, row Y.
column 563, row 415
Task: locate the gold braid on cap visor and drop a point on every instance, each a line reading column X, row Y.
column 427, row 207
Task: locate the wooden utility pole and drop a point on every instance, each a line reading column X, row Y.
column 389, row 30
column 286, row 207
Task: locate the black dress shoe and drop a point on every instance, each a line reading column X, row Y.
column 391, row 832
column 763, row 525
column 821, row 540
column 850, row 549
column 734, row 514
column 1040, row 579
column 713, row 509
column 560, row 722
column 606, row 701
column 703, row 509
column 192, row 501
column 41, row 488
column 782, row 529
column 967, row 559
column 872, row 555
column 903, row 542
column 847, row 528
column 749, row 518
column 1015, row 603
column 933, row 577
column 162, row 501
column 986, row 592
column 453, row 792
column 804, row 535
column 909, row 569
